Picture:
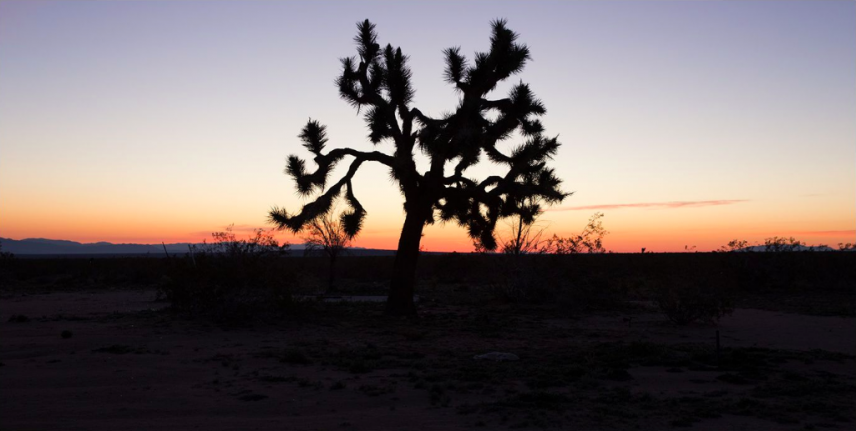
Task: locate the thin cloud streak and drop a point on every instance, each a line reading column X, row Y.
column 654, row 205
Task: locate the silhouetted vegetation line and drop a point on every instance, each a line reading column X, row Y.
column 233, row 280
column 378, row 82
column 6, row 261
column 806, row 282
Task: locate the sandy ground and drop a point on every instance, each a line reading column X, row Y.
column 747, row 328
column 129, row 366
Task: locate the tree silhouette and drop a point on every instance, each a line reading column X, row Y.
column 522, row 237
column 378, row 82
column 327, row 235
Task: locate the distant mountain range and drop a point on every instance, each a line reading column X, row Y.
column 59, row 246
column 43, row 247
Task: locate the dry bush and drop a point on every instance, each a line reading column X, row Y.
column 519, row 277
column 704, row 296
column 569, row 283
column 327, row 235
column 230, row 279
column 590, row 240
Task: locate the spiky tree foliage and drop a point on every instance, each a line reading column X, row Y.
column 378, row 83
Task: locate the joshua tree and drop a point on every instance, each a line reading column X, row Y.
column 378, row 82
column 328, row 235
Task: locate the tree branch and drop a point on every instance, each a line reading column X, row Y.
column 373, row 156
column 322, row 204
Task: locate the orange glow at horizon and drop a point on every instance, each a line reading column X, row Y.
column 622, row 236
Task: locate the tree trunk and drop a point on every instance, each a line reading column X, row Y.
column 400, row 301
column 331, row 285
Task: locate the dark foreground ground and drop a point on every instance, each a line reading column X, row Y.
column 786, row 361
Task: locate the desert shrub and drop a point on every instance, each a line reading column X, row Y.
column 846, row 246
column 778, row 244
column 590, row 240
column 793, row 272
column 6, row 260
column 590, row 292
column 767, row 271
column 569, row 282
column 520, row 277
column 734, row 245
column 5, row 255
column 231, row 279
column 704, row 296
column 523, row 272
column 68, row 273
column 456, row 267
column 328, row 236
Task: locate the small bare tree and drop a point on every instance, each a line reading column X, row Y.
column 327, row 235
column 523, row 236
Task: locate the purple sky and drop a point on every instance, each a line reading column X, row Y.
column 150, row 121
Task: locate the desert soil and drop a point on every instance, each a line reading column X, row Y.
column 130, row 364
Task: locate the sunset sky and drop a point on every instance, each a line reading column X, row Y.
column 685, row 123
